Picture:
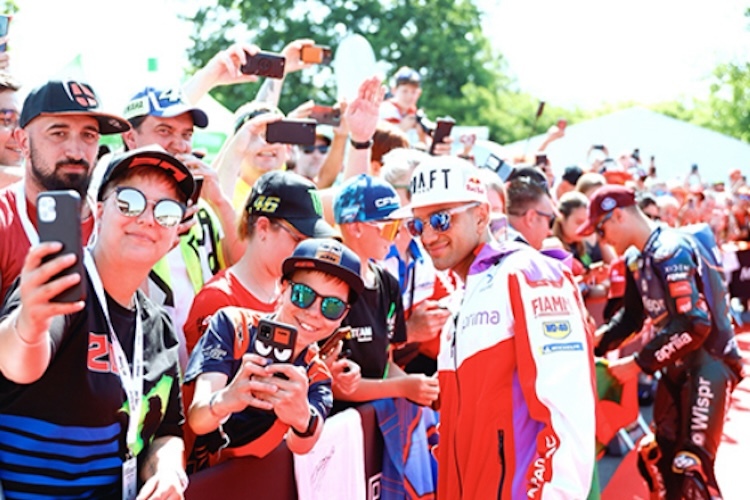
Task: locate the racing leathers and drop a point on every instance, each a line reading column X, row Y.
column 676, row 280
column 517, row 396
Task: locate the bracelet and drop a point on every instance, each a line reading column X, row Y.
column 14, row 326
column 211, row 402
column 361, row 145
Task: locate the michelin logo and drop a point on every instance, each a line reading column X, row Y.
column 566, row 347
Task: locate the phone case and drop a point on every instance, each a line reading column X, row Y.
column 442, row 131
column 264, row 64
column 59, row 219
column 291, row 132
column 275, row 341
column 316, row 54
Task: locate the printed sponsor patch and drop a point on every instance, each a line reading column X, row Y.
column 684, row 305
column 680, row 288
column 556, row 329
column 566, row 347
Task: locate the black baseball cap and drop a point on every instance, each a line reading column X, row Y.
column 285, row 195
column 149, row 156
column 572, row 174
column 329, row 256
column 69, row 97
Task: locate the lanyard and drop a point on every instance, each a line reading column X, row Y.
column 132, row 382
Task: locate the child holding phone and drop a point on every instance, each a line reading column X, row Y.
column 242, row 404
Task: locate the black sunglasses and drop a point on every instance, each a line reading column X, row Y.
column 322, row 149
column 332, row 308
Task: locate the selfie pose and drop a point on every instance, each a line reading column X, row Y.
column 246, row 405
column 89, row 388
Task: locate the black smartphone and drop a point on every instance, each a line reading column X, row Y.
column 264, row 64
column 291, row 132
column 59, row 219
column 442, row 130
column 197, row 191
column 316, row 54
column 499, row 166
column 541, row 160
column 326, row 115
column 275, row 341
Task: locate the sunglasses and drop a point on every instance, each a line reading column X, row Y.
column 388, row 229
column 548, row 215
column 332, row 308
column 132, row 203
column 322, row 149
column 440, row 221
column 8, row 118
column 600, row 226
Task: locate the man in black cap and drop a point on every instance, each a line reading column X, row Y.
column 674, row 278
column 58, row 133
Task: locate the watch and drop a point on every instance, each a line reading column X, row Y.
column 360, row 145
column 312, row 425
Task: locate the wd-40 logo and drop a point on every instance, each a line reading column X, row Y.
column 556, row 329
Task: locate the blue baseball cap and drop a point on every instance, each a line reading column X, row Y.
column 329, row 256
column 165, row 103
column 364, row 198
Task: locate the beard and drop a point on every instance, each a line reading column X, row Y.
column 51, row 179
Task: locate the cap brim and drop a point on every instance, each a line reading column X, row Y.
column 401, row 213
column 200, row 118
column 108, row 124
column 586, row 229
column 314, row 227
column 355, row 283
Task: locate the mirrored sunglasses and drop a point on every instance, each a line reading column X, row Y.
column 332, row 308
column 132, row 203
column 440, row 221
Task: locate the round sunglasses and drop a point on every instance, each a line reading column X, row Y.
column 440, row 221
column 332, row 308
column 132, row 203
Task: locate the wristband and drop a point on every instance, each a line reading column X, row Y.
column 312, row 425
column 360, row 145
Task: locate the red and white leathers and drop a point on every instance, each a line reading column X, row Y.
column 517, row 393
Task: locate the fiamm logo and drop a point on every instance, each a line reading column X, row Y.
column 556, row 329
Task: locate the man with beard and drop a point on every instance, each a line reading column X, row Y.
column 58, row 134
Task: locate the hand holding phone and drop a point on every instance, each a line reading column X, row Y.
column 442, row 130
column 264, row 64
column 59, row 219
column 329, row 346
column 326, row 115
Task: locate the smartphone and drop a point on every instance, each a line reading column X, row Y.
column 541, row 160
column 197, row 191
column 499, row 166
column 59, row 219
column 275, row 341
column 316, row 54
column 442, row 130
column 330, row 344
column 264, row 64
column 326, row 115
column 291, row 132
column 4, row 23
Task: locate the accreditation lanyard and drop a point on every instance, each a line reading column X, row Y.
column 132, row 381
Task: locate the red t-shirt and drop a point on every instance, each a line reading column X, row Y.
column 224, row 289
column 14, row 244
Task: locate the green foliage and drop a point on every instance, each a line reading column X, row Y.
column 443, row 39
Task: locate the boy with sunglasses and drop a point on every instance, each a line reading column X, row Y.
column 94, row 384
column 515, row 365
column 242, row 405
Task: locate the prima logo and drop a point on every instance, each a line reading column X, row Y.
column 480, row 318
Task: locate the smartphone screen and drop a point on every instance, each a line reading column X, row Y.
column 59, row 219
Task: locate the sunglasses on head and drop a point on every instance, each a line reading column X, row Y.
column 322, row 149
column 332, row 308
column 440, row 221
column 131, row 202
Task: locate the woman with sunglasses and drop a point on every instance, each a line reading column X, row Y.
column 73, row 375
column 242, row 405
